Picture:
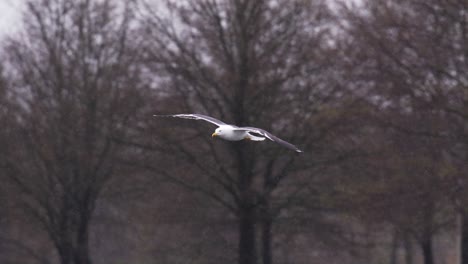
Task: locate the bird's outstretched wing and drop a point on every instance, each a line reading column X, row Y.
column 270, row 137
column 196, row 117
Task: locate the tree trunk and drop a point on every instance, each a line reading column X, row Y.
column 464, row 239
column 427, row 253
column 72, row 243
column 76, row 252
column 247, row 208
column 394, row 249
column 247, row 248
column 267, row 240
column 81, row 255
column 408, row 250
column 64, row 254
column 81, row 252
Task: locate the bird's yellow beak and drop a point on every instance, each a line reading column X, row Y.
column 214, row 134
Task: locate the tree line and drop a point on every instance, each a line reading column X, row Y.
column 374, row 92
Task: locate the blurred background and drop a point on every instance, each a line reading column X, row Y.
column 374, row 91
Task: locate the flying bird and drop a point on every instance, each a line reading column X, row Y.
column 235, row 133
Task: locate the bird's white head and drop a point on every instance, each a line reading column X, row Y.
column 217, row 132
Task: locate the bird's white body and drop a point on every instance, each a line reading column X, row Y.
column 233, row 133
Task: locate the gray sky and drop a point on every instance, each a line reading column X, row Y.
column 10, row 15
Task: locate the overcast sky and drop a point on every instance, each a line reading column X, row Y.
column 10, row 15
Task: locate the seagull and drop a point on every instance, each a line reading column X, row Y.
column 235, row 133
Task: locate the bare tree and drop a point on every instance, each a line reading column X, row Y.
column 414, row 62
column 77, row 86
column 260, row 63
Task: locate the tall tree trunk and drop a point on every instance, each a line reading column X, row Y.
column 247, row 208
column 267, row 217
column 76, row 252
column 408, row 249
column 81, row 255
column 428, row 256
column 394, row 249
column 247, row 238
column 72, row 243
column 464, row 238
column 267, row 224
column 64, row 253
column 81, row 252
